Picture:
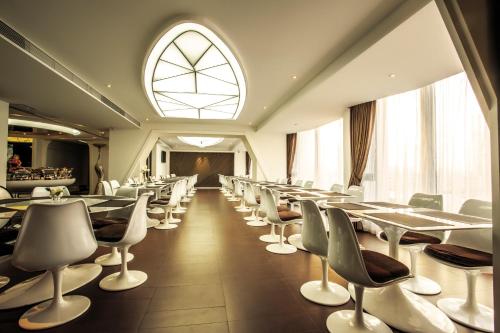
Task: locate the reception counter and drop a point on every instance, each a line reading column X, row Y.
column 26, row 186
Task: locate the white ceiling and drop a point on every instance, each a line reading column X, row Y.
column 228, row 144
column 105, row 42
column 419, row 52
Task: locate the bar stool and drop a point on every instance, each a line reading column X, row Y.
column 52, row 237
column 282, row 219
column 362, row 268
column 123, row 236
column 181, row 192
column 315, row 241
column 415, row 242
column 253, row 220
column 472, row 252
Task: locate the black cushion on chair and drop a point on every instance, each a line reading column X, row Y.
column 382, row 268
column 159, row 202
column 459, row 255
column 290, row 200
column 100, row 222
column 8, row 234
column 409, row 238
column 111, row 233
column 6, row 249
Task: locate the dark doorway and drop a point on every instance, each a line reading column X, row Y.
column 72, row 155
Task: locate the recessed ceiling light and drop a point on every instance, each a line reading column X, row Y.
column 265, row 107
column 392, row 75
column 200, row 141
column 294, row 77
column 108, row 85
column 147, row 119
column 250, row 123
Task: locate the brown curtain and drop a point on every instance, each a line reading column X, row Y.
column 291, row 143
column 247, row 163
column 362, row 123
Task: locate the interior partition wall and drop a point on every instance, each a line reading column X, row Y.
column 206, row 165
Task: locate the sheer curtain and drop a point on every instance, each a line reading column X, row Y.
column 430, row 140
column 462, row 144
column 397, row 164
column 319, row 155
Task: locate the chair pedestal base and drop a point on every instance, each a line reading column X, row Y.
column 3, row 281
column 243, row 209
column 281, row 248
column 166, row 226
column 118, row 281
column 421, row 285
column 399, row 305
column 256, row 223
column 332, row 295
column 480, row 318
column 40, row 288
column 296, row 240
column 48, row 314
column 252, row 218
column 343, row 322
column 270, row 238
column 113, row 258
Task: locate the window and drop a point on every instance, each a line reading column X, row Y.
column 430, row 140
column 319, row 155
column 191, row 73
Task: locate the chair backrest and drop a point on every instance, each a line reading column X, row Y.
column 357, row 192
column 175, row 196
column 299, row 182
column 105, row 187
column 423, row 200
column 41, row 191
column 344, row 255
column 308, row 184
column 4, row 193
column 137, row 226
column 172, row 175
column 53, row 235
column 127, row 191
column 270, row 206
column 314, row 235
column 337, row 188
column 249, row 195
column 479, row 239
column 237, row 188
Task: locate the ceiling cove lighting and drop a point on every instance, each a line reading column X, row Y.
column 200, row 141
column 37, row 124
column 191, row 73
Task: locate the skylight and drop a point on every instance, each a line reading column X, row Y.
column 191, row 73
column 200, row 141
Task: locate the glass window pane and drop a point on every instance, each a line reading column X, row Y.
column 165, row 70
column 189, row 113
column 208, row 85
column 211, row 58
column 173, row 55
column 196, row 100
column 224, row 73
column 209, row 114
column 181, row 83
column 193, row 45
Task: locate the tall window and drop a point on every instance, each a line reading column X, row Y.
column 430, row 140
column 319, row 155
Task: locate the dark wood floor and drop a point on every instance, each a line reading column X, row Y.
column 213, row 275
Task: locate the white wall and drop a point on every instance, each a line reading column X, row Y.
column 347, row 146
column 4, row 133
column 130, row 148
column 159, row 168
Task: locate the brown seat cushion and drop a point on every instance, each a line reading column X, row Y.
column 6, row 249
column 414, row 238
column 159, row 202
column 288, row 215
column 282, row 208
column 8, row 234
column 100, row 222
column 459, row 255
column 382, row 268
column 111, row 233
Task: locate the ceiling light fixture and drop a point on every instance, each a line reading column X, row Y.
column 192, row 73
column 294, row 77
column 265, row 107
column 200, row 141
column 37, row 124
column 392, row 75
column 109, row 85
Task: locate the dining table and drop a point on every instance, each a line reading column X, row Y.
column 401, row 308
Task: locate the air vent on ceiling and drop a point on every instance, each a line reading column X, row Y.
column 17, row 39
